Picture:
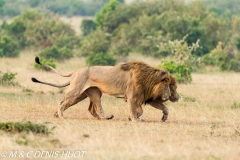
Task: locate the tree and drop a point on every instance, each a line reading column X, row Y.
column 103, row 14
column 2, row 2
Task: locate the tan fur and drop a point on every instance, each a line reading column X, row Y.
column 155, row 101
column 140, row 83
column 147, row 85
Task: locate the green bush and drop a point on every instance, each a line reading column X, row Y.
column 16, row 127
column 56, row 53
column 208, row 60
column 221, row 58
column 50, row 62
column 235, row 65
column 16, row 30
column 8, row 48
column 121, row 49
column 96, row 42
column 88, row 26
column 100, row 59
column 238, row 44
column 7, row 79
column 182, row 72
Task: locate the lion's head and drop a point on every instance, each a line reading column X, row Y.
column 173, row 90
column 148, row 82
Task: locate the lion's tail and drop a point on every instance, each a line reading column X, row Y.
column 50, row 84
column 53, row 69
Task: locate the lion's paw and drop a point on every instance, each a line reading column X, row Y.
column 164, row 118
column 110, row 117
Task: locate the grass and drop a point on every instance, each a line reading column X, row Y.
column 204, row 124
column 16, row 127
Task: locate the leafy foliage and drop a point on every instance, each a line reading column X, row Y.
column 16, row 127
column 220, row 57
column 96, row 42
column 61, row 7
column 50, row 62
column 7, row 79
column 104, row 13
column 100, row 59
column 181, row 72
column 8, row 47
column 182, row 60
column 142, row 26
column 88, row 26
column 56, row 53
column 238, row 44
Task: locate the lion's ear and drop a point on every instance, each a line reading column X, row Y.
column 125, row 67
column 165, row 80
column 163, row 75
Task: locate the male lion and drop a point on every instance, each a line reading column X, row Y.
column 157, row 103
column 114, row 81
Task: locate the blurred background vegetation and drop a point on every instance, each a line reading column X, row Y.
column 185, row 36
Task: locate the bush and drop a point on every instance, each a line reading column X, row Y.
column 182, row 60
column 16, row 127
column 100, row 59
column 88, row 26
column 16, row 30
column 8, row 48
column 235, row 65
column 182, row 72
column 50, row 62
column 121, row 49
column 221, row 58
column 96, row 42
column 7, row 79
column 238, row 44
column 54, row 52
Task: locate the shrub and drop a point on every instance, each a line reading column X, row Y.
column 238, row 44
column 50, row 62
column 182, row 60
column 56, row 53
column 100, row 59
column 182, row 72
column 16, row 127
column 121, row 49
column 235, row 65
column 7, row 79
column 96, row 42
column 221, row 58
column 87, row 26
column 8, row 48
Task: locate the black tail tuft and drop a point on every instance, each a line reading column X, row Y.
column 37, row 60
column 35, row 80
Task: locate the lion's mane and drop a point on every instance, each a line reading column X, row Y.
column 148, row 82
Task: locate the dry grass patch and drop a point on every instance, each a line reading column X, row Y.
column 204, row 124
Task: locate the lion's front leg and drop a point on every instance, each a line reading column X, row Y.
column 162, row 107
column 133, row 107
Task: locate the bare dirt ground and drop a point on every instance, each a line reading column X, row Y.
column 204, row 124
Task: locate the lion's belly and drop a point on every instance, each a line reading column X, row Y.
column 110, row 80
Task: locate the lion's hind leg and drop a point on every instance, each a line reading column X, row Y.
column 71, row 97
column 80, row 98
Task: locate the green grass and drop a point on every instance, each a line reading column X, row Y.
column 17, row 127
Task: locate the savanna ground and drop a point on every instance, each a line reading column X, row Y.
column 204, row 124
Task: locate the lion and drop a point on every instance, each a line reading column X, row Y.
column 156, row 103
column 113, row 80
